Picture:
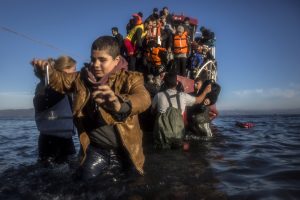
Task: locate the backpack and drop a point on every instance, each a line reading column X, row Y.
column 169, row 127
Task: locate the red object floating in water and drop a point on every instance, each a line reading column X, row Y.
column 244, row 124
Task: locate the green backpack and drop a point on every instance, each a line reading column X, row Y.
column 169, row 127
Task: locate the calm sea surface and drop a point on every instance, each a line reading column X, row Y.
column 258, row 163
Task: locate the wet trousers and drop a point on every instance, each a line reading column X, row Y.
column 100, row 161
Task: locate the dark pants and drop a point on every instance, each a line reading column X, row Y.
column 100, row 161
column 131, row 63
column 135, row 63
column 180, row 64
column 55, row 149
column 146, row 67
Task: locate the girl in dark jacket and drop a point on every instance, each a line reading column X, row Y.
column 53, row 116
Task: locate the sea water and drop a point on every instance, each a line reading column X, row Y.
column 258, row 163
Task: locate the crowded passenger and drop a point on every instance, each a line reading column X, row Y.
column 140, row 14
column 157, row 58
column 133, row 42
column 188, row 28
column 154, row 15
column 130, row 25
column 181, row 47
column 167, row 32
column 119, row 38
column 196, row 59
column 207, row 37
column 169, row 18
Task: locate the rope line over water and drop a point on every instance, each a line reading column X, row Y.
column 38, row 41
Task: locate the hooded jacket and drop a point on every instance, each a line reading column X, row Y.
column 128, row 86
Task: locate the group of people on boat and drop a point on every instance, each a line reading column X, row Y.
column 105, row 99
column 161, row 43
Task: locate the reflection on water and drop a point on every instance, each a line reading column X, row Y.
column 258, row 163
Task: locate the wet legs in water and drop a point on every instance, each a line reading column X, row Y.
column 100, row 162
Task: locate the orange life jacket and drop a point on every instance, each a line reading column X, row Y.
column 154, row 55
column 180, row 43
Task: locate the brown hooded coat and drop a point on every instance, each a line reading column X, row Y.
column 128, row 86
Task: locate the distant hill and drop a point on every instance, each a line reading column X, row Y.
column 17, row 113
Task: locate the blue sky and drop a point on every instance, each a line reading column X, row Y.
column 257, row 49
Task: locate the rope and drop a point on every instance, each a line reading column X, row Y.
column 36, row 41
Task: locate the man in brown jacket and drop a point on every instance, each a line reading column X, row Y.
column 107, row 101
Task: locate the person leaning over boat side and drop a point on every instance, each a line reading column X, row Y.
column 200, row 115
column 53, row 117
column 108, row 99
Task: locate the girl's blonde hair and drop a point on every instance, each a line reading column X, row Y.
column 62, row 62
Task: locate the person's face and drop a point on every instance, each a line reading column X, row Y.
column 149, row 25
column 102, row 63
column 180, row 30
column 113, row 33
column 198, row 85
column 163, row 19
column 154, row 23
column 70, row 70
column 199, row 49
column 206, row 102
column 166, row 11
